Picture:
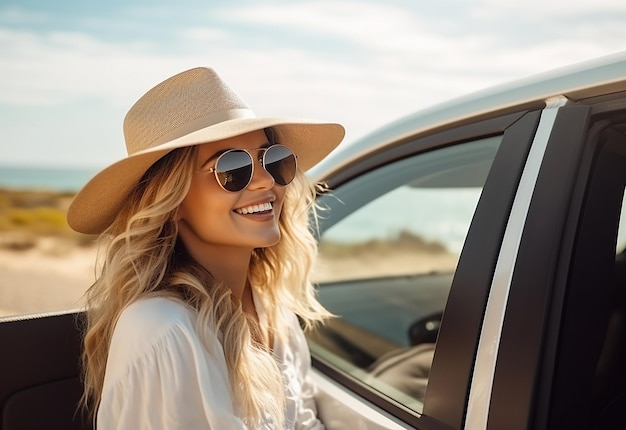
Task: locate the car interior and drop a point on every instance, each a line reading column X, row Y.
column 609, row 390
column 609, row 383
column 590, row 375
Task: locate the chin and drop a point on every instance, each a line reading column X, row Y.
column 269, row 241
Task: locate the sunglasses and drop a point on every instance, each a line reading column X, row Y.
column 234, row 168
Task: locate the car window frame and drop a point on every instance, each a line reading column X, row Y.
column 450, row 376
column 519, row 348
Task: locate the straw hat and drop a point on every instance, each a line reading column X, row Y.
column 187, row 109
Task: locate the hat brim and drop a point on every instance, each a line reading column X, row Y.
column 95, row 206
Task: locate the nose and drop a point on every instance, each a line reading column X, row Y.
column 261, row 179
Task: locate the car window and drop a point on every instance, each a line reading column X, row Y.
column 390, row 241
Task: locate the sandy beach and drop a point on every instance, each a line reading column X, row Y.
column 51, row 276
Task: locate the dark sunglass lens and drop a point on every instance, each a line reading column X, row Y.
column 234, row 170
column 280, row 162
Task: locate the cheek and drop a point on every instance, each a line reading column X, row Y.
column 186, row 209
column 280, row 201
column 203, row 201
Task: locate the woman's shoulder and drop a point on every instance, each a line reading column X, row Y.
column 156, row 334
column 153, row 314
column 150, row 320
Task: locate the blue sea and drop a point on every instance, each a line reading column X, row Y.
column 49, row 178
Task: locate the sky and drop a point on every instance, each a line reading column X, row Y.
column 71, row 69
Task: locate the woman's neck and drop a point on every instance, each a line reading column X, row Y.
column 227, row 265
column 231, row 268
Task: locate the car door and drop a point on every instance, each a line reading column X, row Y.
column 561, row 351
column 527, row 329
column 408, row 250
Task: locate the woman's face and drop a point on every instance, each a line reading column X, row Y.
column 211, row 218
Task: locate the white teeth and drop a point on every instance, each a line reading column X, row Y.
column 254, row 208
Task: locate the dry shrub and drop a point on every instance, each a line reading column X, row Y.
column 404, row 241
column 26, row 215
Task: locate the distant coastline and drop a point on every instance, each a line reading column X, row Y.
column 58, row 179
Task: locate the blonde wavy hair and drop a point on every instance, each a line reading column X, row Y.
column 138, row 258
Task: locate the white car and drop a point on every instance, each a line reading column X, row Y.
column 474, row 255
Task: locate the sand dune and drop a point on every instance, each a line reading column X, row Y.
column 49, row 277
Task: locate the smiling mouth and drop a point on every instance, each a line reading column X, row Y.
column 262, row 208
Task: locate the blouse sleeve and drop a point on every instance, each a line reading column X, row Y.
column 159, row 376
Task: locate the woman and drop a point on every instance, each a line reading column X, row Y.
column 206, row 253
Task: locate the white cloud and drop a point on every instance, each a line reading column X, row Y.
column 202, row 35
column 559, row 10
column 372, row 26
column 58, row 67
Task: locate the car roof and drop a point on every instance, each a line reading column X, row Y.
column 580, row 81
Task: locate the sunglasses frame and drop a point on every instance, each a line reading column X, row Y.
column 261, row 160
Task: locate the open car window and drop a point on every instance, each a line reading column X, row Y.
column 389, row 245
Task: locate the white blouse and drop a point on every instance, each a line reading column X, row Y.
column 159, row 376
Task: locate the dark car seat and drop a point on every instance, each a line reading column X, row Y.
column 39, row 373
